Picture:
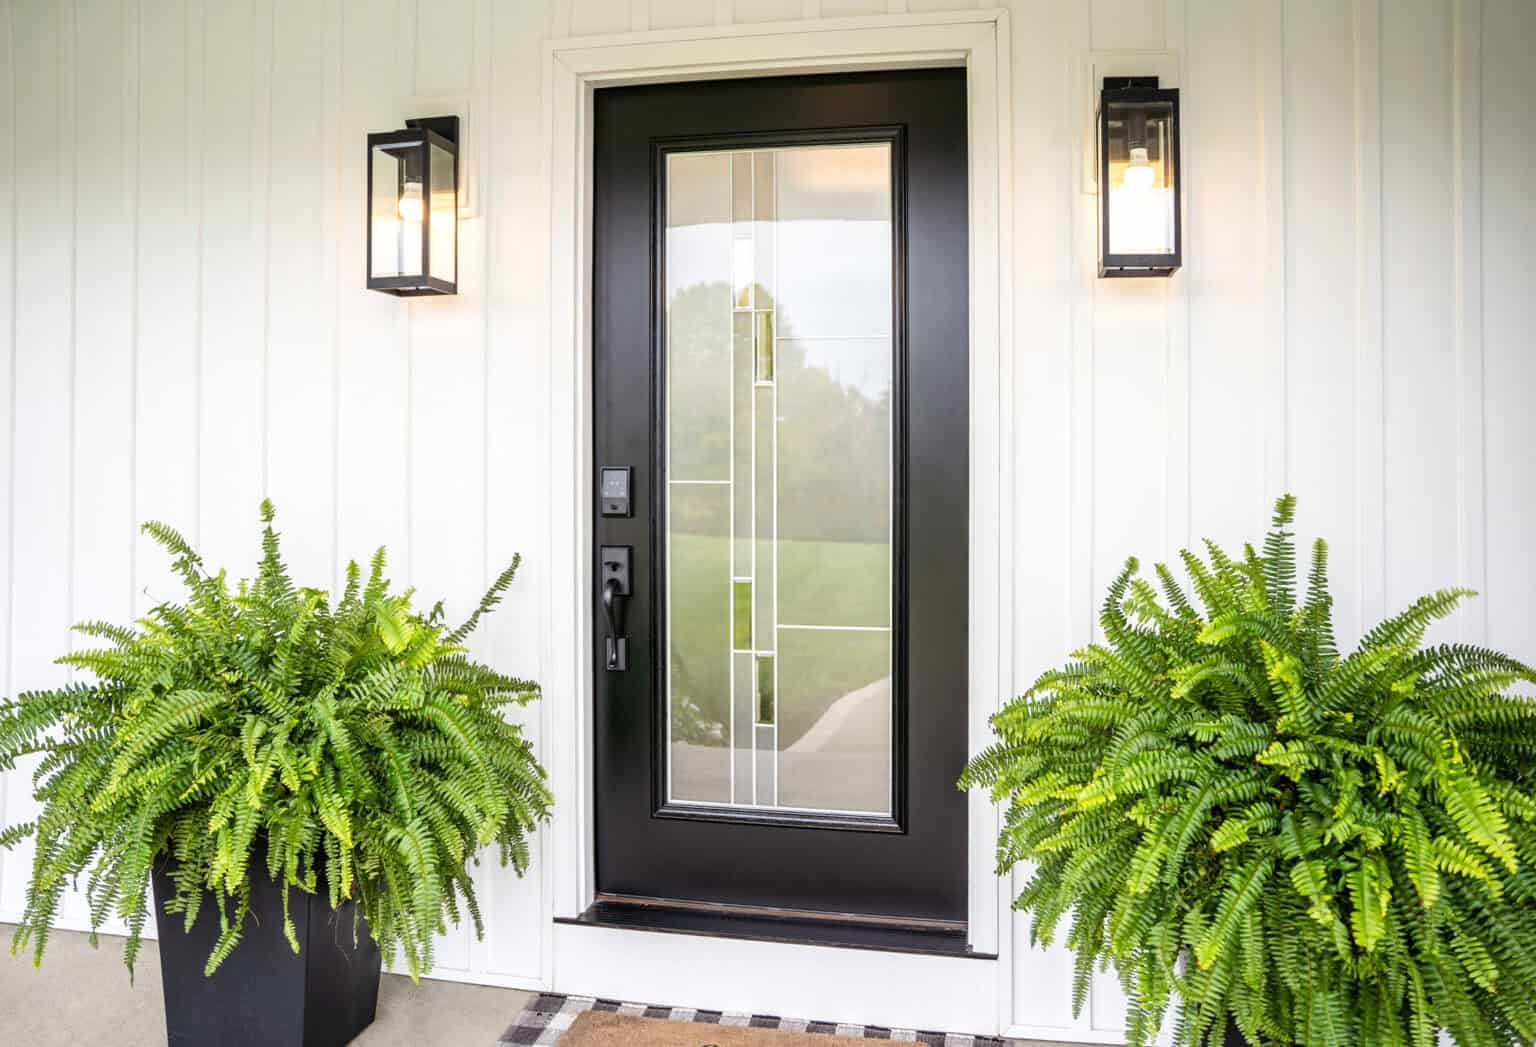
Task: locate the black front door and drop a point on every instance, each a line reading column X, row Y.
column 780, row 433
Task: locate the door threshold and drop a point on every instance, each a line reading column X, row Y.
column 789, row 927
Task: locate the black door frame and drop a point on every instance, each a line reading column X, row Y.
column 934, row 515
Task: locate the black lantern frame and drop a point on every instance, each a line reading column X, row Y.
column 422, row 137
column 1118, row 95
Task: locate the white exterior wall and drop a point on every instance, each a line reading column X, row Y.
column 183, row 326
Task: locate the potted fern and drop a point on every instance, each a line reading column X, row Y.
column 1299, row 846
column 302, row 782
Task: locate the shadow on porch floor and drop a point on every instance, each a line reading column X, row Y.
column 82, row 996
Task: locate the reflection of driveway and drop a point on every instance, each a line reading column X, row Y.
column 856, row 722
column 841, row 763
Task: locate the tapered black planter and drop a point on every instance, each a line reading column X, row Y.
column 263, row 995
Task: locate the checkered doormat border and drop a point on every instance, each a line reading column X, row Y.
column 547, row 1018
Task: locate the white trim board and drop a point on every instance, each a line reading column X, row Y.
column 860, row 986
column 573, row 69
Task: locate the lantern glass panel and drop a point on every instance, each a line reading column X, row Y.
column 444, row 216
column 396, row 210
column 1142, row 185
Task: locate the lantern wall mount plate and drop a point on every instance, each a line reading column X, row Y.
column 413, row 208
column 1140, row 220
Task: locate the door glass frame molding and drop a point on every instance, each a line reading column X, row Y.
column 575, row 67
column 894, row 817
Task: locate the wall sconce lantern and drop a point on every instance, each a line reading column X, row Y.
column 1139, row 220
column 413, row 208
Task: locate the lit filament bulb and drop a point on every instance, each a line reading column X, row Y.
column 410, row 207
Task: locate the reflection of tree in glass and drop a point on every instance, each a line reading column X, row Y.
column 698, row 360
column 838, row 439
column 833, row 434
column 690, row 723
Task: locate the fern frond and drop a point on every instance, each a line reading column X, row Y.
column 345, row 749
column 1342, row 848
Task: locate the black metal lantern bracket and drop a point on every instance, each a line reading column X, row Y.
column 439, row 133
column 1131, row 97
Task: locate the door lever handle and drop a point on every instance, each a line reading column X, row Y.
column 615, row 601
column 616, row 590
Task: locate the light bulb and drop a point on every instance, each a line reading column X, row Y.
column 410, row 207
column 1140, row 216
column 1138, row 173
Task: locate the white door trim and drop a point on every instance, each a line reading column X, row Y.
column 573, row 68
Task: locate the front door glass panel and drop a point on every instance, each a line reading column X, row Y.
column 779, row 463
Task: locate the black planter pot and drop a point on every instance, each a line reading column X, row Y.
column 263, row 995
column 1234, row 1036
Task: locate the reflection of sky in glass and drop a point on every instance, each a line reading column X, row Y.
column 860, row 364
column 820, row 295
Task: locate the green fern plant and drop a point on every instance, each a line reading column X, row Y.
column 357, row 746
column 1325, row 849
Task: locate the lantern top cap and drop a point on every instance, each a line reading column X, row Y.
column 1135, row 89
column 445, row 127
column 1121, row 83
column 441, row 131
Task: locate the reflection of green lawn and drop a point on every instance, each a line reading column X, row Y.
column 820, row 583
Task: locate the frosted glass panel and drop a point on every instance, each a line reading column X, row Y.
column 779, row 440
column 699, row 641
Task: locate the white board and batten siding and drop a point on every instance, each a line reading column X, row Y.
column 183, row 326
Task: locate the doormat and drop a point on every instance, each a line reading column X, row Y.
column 581, row 1021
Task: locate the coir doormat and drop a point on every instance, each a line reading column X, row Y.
column 581, row 1021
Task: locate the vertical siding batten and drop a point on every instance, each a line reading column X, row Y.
column 1269, row 61
column 196, row 91
column 1224, row 277
column 1467, row 160
column 133, row 62
column 1176, row 313
column 1319, row 388
column 1420, row 358
column 333, row 143
column 232, row 274
column 300, row 362
column 372, row 331
column 1080, row 423
column 68, row 132
column 8, row 202
column 167, row 393
column 101, row 381
column 1370, row 439
column 101, row 295
column 263, row 59
column 41, row 391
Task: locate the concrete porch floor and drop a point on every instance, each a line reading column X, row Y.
column 82, row 996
